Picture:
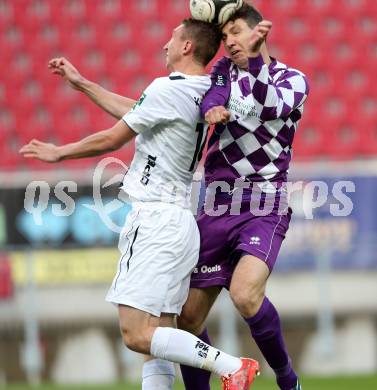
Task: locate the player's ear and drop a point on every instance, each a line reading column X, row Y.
column 188, row 47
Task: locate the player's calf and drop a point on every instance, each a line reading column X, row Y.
column 190, row 323
column 195, row 310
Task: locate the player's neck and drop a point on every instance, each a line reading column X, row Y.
column 190, row 68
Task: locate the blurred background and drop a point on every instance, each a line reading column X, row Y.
column 54, row 270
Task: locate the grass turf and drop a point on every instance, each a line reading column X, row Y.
column 341, row 383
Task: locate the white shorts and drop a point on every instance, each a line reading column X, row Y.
column 159, row 247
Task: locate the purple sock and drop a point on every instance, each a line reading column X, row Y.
column 196, row 378
column 266, row 330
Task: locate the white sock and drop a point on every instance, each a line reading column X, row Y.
column 184, row 348
column 158, row 375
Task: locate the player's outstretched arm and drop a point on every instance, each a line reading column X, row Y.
column 93, row 145
column 112, row 103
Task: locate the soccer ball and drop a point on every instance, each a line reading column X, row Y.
column 214, row 11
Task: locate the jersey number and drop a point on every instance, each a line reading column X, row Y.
column 201, row 129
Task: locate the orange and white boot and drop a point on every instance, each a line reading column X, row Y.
column 243, row 377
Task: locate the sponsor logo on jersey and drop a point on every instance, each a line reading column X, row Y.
column 147, row 170
column 220, row 80
column 254, row 241
column 140, row 101
column 241, row 107
column 207, row 270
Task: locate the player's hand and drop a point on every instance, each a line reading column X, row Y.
column 258, row 37
column 41, row 151
column 217, row 114
column 62, row 67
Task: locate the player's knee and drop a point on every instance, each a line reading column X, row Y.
column 247, row 300
column 129, row 339
column 134, row 339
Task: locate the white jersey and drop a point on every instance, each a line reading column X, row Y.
column 170, row 141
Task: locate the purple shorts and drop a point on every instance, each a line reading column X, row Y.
column 224, row 239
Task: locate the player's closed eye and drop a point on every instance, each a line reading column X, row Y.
column 235, row 30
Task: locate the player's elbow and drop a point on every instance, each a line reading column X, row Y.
column 119, row 135
column 120, row 110
column 117, row 113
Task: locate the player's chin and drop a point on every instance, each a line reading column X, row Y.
column 168, row 65
column 241, row 61
column 236, row 57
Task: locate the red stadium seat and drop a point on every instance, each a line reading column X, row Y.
column 30, row 129
column 310, row 140
column 344, row 138
column 178, row 10
column 9, row 152
column 6, row 280
column 119, row 32
column 95, row 10
column 74, row 9
column 141, row 10
column 362, row 20
column 356, row 6
column 354, row 78
column 369, row 145
column 12, row 39
column 366, row 106
column 269, row 8
column 331, row 105
column 7, row 13
column 323, row 7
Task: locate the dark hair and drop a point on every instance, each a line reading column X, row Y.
column 249, row 14
column 206, row 38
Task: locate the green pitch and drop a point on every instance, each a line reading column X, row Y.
column 343, row 383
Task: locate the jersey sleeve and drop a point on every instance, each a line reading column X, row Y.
column 219, row 92
column 276, row 98
column 153, row 108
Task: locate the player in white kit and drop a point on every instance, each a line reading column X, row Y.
column 160, row 241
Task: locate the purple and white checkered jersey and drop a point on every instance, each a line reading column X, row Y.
column 266, row 104
column 170, row 141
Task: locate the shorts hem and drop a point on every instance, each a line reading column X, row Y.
column 134, row 305
column 215, row 282
column 255, row 253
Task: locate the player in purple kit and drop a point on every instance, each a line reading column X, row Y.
column 256, row 103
